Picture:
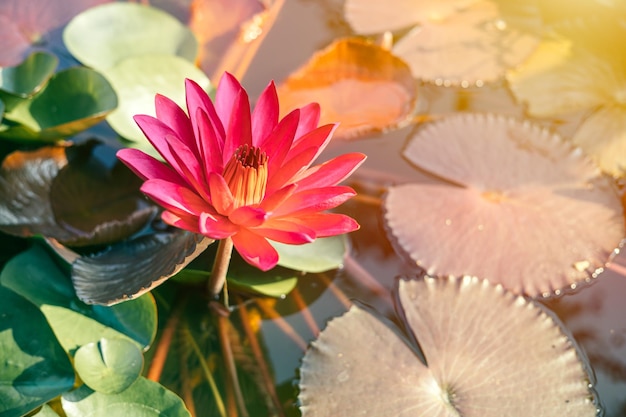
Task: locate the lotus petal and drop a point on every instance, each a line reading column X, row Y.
column 488, row 353
column 361, row 85
column 517, row 206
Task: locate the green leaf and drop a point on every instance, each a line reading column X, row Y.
column 109, row 366
column 138, row 79
column 33, row 366
column 144, row 398
column 323, row 254
column 26, row 79
column 35, row 276
column 73, row 100
column 103, row 36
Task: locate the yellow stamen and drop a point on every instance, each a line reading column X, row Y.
column 246, row 175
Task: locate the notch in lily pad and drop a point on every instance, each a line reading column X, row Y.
column 108, row 366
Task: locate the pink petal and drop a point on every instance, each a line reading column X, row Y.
column 309, row 119
column 289, row 169
column 221, row 196
column 314, row 200
column 276, row 146
column 173, row 116
column 247, row 216
column 210, row 145
column 216, row 227
column 197, row 98
column 189, row 223
column 317, row 138
column 265, row 115
column 239, row 128
column 156, row 132
column 286, row 231
column 227, row 94
column 331, row 172
column 327, row 224
column 147, row 167
column 255, row 250
column 190, row 168
column 275, row 199
column 175, row 198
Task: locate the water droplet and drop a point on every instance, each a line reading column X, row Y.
column 581, row 265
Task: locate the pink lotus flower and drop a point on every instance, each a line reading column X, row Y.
column 230, row 173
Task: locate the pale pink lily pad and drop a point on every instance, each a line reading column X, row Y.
column 488, row 353
column 462, row 42
column 515, row 205
column 560, row 78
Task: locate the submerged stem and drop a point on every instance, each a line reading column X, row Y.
column 229, row 362
column 220, row 266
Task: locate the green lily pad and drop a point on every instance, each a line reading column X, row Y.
column 144, row 398
column 103, row 36
column 33, row 366
column 138, row 79
column 26, row 79
column 241, row 276
column 321, row 255
column 35, row 276
column 108, row 366
column 73, row 100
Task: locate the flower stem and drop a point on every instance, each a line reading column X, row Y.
column 220, row 266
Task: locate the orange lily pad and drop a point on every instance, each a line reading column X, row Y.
column 357, row 83
column 515, row 204
column 480, row 351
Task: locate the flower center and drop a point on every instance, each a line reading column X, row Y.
column 246, row 175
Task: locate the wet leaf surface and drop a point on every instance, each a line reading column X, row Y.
column 131, row 268
column 78, row 202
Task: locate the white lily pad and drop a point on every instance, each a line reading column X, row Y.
column 487, row 351
column 515, row 205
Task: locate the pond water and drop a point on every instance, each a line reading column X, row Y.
column 594, row 314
